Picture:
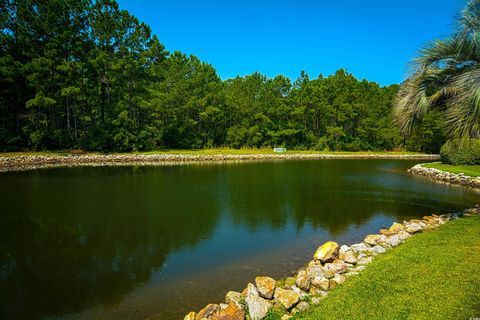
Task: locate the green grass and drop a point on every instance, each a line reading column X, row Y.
column 473, row 171
column 208, row 152
column 434, row 275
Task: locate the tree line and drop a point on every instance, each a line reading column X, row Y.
column 87, row 74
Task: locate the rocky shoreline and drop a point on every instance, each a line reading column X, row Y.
column 331, row 266
column 446, row 177
column 21, row 163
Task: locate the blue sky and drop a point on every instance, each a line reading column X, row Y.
column 373, row 39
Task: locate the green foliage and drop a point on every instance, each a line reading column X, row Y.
column 430, row 134
column 446, row 77
column 461, row 152
column 86, row 74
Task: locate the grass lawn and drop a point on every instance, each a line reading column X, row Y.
column 473, row 171
column 208, row 152
column 434, row 275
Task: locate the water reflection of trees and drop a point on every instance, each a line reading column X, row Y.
column 101, row 238
column 333, row 196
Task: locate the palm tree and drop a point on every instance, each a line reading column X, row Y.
column 446, row 75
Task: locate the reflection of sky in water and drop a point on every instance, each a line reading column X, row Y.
column 131, row 242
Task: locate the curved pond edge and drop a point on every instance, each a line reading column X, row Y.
column 331, row 266
column 446, row 177
column 22, row 163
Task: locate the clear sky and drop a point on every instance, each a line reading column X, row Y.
column 373, row 39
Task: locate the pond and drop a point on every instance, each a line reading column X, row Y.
column 133, row 242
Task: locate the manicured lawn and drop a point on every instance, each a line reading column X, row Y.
column 434, row 275
column 209, row 151
column 473, row 171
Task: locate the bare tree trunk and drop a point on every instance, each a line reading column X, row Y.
column 108, row 95
column 102, row 102
column 75, row 114
column 68, row 115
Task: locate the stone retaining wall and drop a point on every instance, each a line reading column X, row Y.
column 447, row 177
column 17, row 163
column 331, row 266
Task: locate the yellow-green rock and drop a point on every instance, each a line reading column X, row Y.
column 327, row 252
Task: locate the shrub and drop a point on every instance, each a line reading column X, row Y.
column 461, row 152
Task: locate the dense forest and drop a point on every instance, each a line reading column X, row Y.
column 86, row 74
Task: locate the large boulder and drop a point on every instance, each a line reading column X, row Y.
column 257, row 306
column 327, row 252
column 287, row 298
column 265, row 286
column 232, row 312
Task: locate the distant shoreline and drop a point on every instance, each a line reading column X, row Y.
column 31, row 162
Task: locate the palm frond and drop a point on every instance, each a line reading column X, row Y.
column 463, row 118
column 446, row 73
column 412, row 102
column 470, row 17
column 443, row 95
column 450, row 53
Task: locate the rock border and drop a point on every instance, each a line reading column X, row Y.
column 459, row 179
column 331, row 266
column 22, row 163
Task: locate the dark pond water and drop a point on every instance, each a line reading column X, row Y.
column 132, row 242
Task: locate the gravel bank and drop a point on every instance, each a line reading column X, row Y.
column 20, row 163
